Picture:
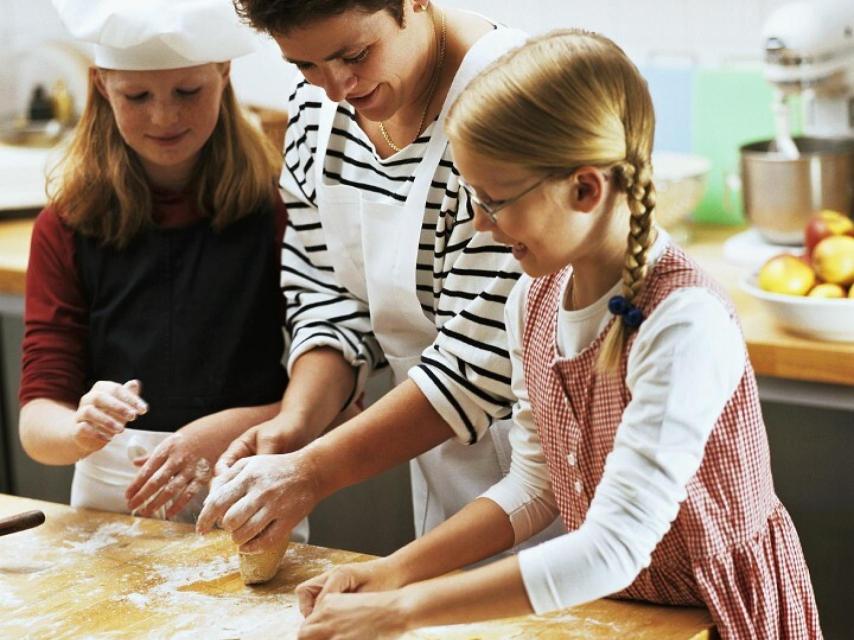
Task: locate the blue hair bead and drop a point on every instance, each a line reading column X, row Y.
column 618, row 305
column 633, row 318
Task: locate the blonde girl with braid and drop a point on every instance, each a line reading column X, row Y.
column 637, row 418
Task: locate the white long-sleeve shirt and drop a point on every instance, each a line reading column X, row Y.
column 463, row 278
column 683, row 367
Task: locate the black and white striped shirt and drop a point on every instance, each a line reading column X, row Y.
column 463, row 277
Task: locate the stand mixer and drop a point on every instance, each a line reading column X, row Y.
column 809, row 54
column 809, row 51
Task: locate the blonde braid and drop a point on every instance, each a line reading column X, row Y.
column 640, row 197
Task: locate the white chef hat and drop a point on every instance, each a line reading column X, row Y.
column 141, row 35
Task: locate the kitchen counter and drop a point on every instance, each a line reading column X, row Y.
column 774, row 352
column 14, row 252
column 94, row 574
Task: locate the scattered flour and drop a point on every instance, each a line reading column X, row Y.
column 174, row 577
column 137, row 599
column 264, row 615
column 9, row 600
column 104, row 536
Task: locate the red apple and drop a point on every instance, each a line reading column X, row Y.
column 823, row 224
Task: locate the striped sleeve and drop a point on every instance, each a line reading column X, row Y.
column 319, row 311
column 466, row 372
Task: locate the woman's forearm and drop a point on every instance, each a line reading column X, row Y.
column 480, row 530
column 46, row 429
column 219, row 429
column 486, row 593
column 321, row 382
column 398, row 427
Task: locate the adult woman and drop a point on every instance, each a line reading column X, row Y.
column 156, row 261
column 381, row 263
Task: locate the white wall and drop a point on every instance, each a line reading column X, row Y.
column 706, row 31
column 703, row 31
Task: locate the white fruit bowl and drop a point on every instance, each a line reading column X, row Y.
column 820, row 318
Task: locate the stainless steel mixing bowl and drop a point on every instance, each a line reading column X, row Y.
column 781, row 193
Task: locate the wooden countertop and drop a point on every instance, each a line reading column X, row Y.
column 773, row 351
column 103, row 575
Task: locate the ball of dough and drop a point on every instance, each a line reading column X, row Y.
column 258, row 568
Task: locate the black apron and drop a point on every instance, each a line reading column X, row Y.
column 193, row 313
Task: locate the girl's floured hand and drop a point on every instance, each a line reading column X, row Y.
column 356, row 616
column 104, row 411
column 374, row 575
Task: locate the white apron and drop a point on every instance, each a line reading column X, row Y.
column 101, row 478
column 373, row 248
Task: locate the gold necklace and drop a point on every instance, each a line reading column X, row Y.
column 434, row 82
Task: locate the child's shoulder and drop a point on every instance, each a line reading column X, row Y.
column 51, row 235
column 675, row 270
column 680, row 298
column 51, row 222
column 547, row 286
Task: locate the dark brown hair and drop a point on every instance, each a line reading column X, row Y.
column 280, row 16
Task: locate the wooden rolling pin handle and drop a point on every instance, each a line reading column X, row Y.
column 20, row 522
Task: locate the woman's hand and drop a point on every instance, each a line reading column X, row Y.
column 260, row 499
column 103, row 412
column 375, row 575
column 284, row 433
column 357, row 616
column 178, row 468
column 278, row 435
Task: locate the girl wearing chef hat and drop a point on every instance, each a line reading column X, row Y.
column 153, row 309
column 637, row 420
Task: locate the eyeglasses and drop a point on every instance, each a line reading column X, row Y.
column 491, row 209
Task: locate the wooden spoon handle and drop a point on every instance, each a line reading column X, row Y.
column 20, row 522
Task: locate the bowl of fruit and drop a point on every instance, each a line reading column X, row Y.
column 812, row 294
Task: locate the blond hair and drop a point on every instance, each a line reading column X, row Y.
column 100, row 188
column 567, row 99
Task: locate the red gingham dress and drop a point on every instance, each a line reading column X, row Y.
column 732, row 547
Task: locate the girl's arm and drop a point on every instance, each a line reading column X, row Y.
column 47, row 433
column 481, row 529
column 493, row 591
column 57, row 433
